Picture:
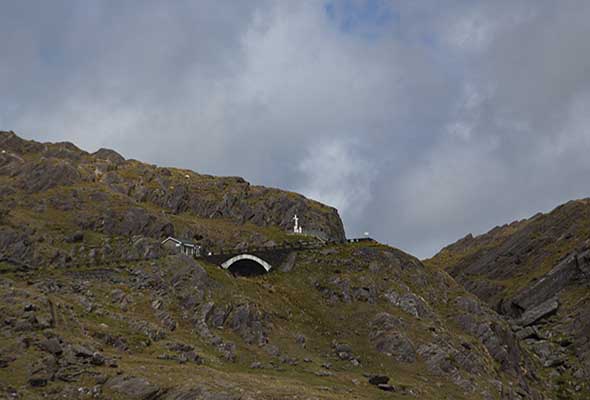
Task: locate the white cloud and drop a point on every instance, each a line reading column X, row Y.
column 335, row 175
column 441, row 120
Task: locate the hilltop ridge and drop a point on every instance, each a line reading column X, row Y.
column 104, row 195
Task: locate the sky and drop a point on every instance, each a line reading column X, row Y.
column 421, row 121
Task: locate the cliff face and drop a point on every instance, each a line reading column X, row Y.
column 93, row 307
column 536, row 273
column 69, row 191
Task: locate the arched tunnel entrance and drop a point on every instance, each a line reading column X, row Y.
column 246, row 265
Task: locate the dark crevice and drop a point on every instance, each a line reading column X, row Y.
column 247, row 268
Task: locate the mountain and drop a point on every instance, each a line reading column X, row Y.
column 92, row 306
column 536, row 274
column 56, row 194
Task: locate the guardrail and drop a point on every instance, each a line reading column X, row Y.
column 307, row 245
column 362, row 239
column 258, row 249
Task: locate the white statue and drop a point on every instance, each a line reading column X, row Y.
column 296, row 227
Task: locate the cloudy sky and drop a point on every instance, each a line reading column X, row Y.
column 420, row 121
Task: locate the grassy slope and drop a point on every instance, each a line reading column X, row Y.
column 549, row 238
column 294, row 307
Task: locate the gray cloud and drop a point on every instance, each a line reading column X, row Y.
column 420, row 122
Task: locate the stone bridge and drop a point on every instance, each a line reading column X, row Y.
column 260, row 260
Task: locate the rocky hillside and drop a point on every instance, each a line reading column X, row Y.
column 92, row 308
column 60, row 204
column 536, row 273
column 346, row 322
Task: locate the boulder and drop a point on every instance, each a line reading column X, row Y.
column 75, row 237
column 248, row 321
column 52, row 346
column 6, row 359
column 414, row 305
column 496, row 336
column 365, row 294
column 120, row 298
column 438, row 357
column 387, row 388
column 38, row 380
column 468, row 304
column 387, row 339
column 97, row 359
column 289, row 263
column 378, row 379
column 565, row 273
column 109, row 155
column 81, row 351
column 301, row 340
column 46, row 174
column 409, row 303
column 199, row 393
column 42, row 371
column 133, row 388
column 530, row 332
column 543, row 310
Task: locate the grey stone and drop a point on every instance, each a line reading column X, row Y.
column 97, row 359
column 385, row 387
column 469, row 305
column 51, row 346
column 38, row 380
column 530, row 332
column 342, row 348
column 386, row 337
column 198, row 393
column 378, row 379
column 81, row 351
column 565, row 273
column 438, row 357
column 29, row 307
column 133, row 388
column 248, row 321
column 289, row 263
column 539, row 312
column 109, row 155
column 179, row 347
column 75, row 237
column 300, row 339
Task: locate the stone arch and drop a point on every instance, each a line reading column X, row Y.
column 246, row 264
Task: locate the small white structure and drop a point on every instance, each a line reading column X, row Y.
column 297, row 228
column 183, row 246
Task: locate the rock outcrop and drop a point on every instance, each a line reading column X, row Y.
column 536, row 273
column 110, row 196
